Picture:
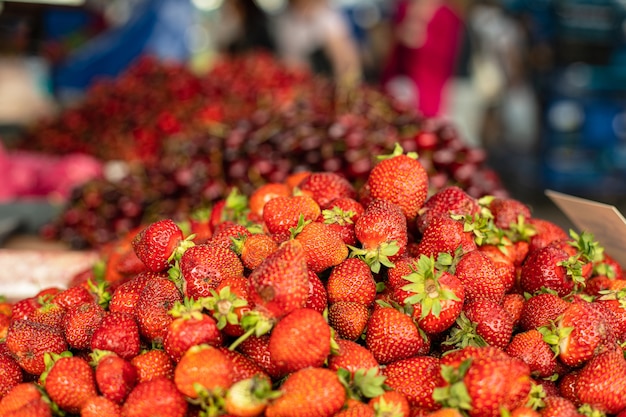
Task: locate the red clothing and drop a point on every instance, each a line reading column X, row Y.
column 432, row 64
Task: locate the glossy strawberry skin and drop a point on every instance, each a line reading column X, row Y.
column 152, row 310
column 157, row 396
column 324, row 187
column 11, row 374
column 324, row 248
column 118, row 333
column 530, row 347
column 204, row 365
column 203, row 267
column 70, row 383
column 28, row 342
column 415, row 378
column 446, row 201
column 351, row 281
column 602, row 382
column 392, row 335
column 115, row 377
column 299, row 340
column 155, row 244
column 80, row 322
column 348, row 318
column 183, row 333
column 280, row 284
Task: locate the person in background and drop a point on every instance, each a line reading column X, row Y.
column 426, row 41
column 313, row 35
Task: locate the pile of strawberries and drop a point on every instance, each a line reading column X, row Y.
column 310, row 297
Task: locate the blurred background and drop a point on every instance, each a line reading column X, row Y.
column 540, row 85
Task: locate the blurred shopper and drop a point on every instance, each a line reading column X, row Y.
column 423, row 56
column 311, row 34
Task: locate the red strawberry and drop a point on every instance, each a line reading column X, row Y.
column 300, row 339
column 351, row 356
column 348, row 318
column 317, row 299
column 546, row 232
column 204, row 366
column 356, row 408
column 257, row 349
column 601, row 383
column 190, row 327
column 48, row 313
column 448, row 200
column 351, row 281
column 157, row 396
column 157, row 243
column 505, row 267
column 203, row 267
column 341, row 216
column 280, row 284
column 309, row 392
column 115, row 376
column 323, row 247
column 70, row 383
column 243, row 366
column 416, row 378
column 265, row 193
column 28, row 342
column 282, row 213
column 226, row 232
column 325, row 187
column 391, row 402
column 392, row 335
column 506, row 211
column 100, row 406
column 25, row 400
column 10, row 374
column 530, row 347
column 124, row 298
column 382, row 232
column 152, row 310
column 118, row 333
column 578, row 334
column 478, row 274
column 79, row 323
column 513, row 304
column 436, row 296
column 400, row 179
column 482, row 322
column 540, row 309
column 556, row 406
column 254, row 249
column 153, row 363
column 445, row 235
column 73, row 296
column 22, row 308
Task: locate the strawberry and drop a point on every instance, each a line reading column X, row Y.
column 504, row 265
column 382, row 232
column 445, row 235
column 118, row 333
column 478, row 275
column 513, row 304
column 124, row 298
column 300, row 339
column 79, row 323
column 416, row 378
column 48, row 313
column 115, row 377
column 546, row 232
column 556, row 406
column 190, row 327
column 309, row 392
column 601, row 383
column 28, row 343
column 226, row 232
column 506, row 211
column 356, row 408
column 436, row 296
column 317, row 298
column 157, row 244
column 482, row 323
column 228, row 304
column 153, row 363
column 10, row 374
column 203, row 267
column 351, row 356
column 100, row 406
column 612, row 305
column 492, row 381
column 530, row 347
column 265, row 193
column 156, row 397
column 400, row 179
column 578, row 334
column 351, row 281
column 25, row 400
column 325, row 187
column 203, row 368
column 152, row 310
column 73, row 296
column 243, row 366
column 249, row 397
column 540, row 309
column 323, row 247
column 390, row 403
column 392, row 335
column 282, row 213
column 348, row 318
column 22, row 308
column 254, row 249
column 70, row 383
column 446, row 201
column 341, row 215
column 257, row 349
column 280, row 284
